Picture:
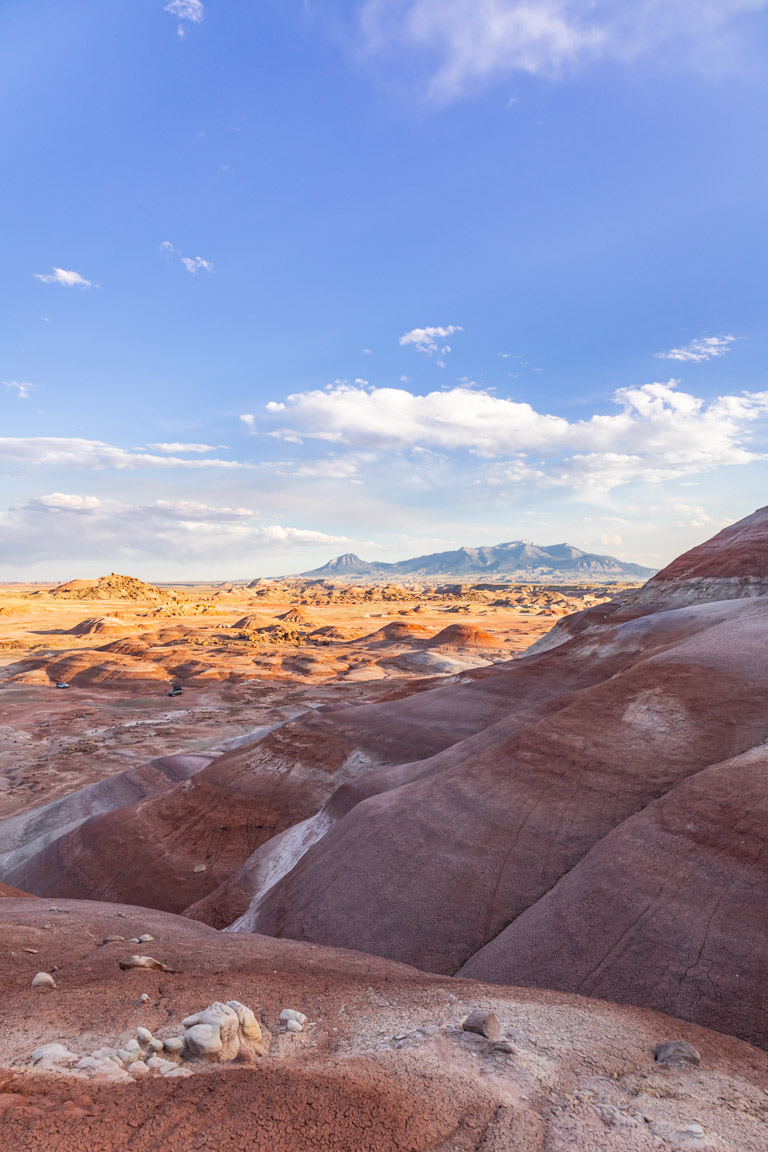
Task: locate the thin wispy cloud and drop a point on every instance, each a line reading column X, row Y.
column 708, row 348
column 249, row 420
column 21, row 453
column 460, row 44
column 64, row 277
column 191, row 11
column 196, row 264
column 427, row 339
column 22, row 390
column 81, row 528
column 178, row 447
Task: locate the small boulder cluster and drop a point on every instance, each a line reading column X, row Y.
column 221, row 1032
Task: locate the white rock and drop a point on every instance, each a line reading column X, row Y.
column 156, row 1044
column 177, row 1072
column 224, row 1018
column 204, row 1041
column 126, row 1056
column 174, row 1044
column 143, row 1035
column 292, row 1014
column 137, row 1068
column 293, row 1026
column 146, row 938
column 157, row 1064
column 132, row 1046
column 53, row 1054
column 190, row 1021
column 250, row 1030
column 43, row 980
column 144, row 998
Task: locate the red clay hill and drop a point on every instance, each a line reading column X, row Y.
column 590, row 818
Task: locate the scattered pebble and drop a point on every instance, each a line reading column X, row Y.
column 200, row 868
column 113, row 940
column 144, row 998
column 483, row 1023
column 289, row 1015
column 142, row 962
column 43, row 981
column 146, row 938
column 677, row 1054
column 143, row 1035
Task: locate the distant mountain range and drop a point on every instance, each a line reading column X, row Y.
column 518, row 559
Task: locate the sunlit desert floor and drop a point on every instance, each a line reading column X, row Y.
column 247, row 659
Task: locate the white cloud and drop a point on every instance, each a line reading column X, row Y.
column 20, row 453
column 63, row 277
column 708, row 348
column 658, row 432
column 167, row 247
column 193, row 265
column 22, row 390
column 249, row 420
column 426, row 339
column 463, row 43
column 183, row 447
column 191, row 10
column 64, row 526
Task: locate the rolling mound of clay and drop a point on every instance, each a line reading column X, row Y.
column 91, row 667
column 6, row 891
column 96, row 624
column 112, row 587
column 464, row 636
column 733, row 564
column 382, row 1064
column 398, row 631
column 250, row 623
column 299, row 616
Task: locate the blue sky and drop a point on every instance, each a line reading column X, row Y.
column 287, row 279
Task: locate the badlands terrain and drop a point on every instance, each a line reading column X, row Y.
column 486, row 863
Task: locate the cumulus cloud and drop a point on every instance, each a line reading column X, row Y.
column 656, row 433
column 61, row 525
column 196, row 263
column 63, row 277
column 22, row 390
column 18, row 453
column 426, row 339
column 708, row 348
column 462, row 43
